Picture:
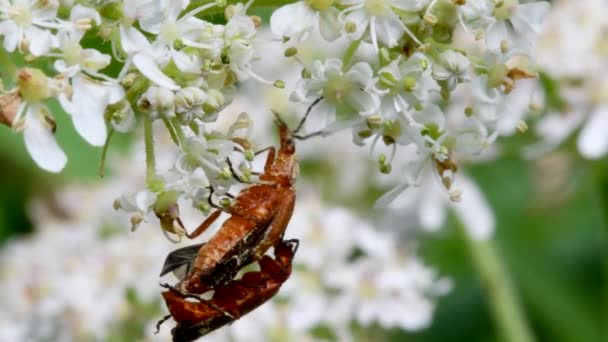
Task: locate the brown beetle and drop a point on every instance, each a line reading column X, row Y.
column 231, row 300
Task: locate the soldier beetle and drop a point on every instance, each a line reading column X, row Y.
column 231, row 300
column 259, row 216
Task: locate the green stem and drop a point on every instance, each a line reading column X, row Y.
column 181, row 136
column 349, row 54
column 171, row 129
column 104, row 153
column 602, row 184
column 215, row 11
column 500, row 293
column 149, row 146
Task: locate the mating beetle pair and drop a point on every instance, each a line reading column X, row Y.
column 259, row 216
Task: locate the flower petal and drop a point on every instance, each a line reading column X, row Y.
column 150, row 69
column 329, row 26
column 41, row 41
column 389, row 29
column 292, row 20
column 474, row 211
column 89, row 104
column 593, row 140
column 11, row 34
column 132, row 41
column 41, row 144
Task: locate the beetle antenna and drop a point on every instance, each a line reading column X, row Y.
column 308, row 110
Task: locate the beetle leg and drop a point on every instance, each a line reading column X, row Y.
column 159, row 323
column 270, row 158
column 258, row 152
column 217, row 308
column 308, row 110
column 234, row 174
column 206, row 224
column 214, row 205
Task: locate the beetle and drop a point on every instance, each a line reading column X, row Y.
column 259, row 216
column 231, row 300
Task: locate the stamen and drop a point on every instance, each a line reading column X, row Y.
column 196, row 11
column 259, row 78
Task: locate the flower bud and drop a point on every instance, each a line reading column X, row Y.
column 157, row 101
column 291, row 51
column 188, row 98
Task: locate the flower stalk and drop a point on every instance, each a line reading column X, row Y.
column 499, row 290
column 150, row 157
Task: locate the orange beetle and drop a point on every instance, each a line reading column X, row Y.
column 231, row 300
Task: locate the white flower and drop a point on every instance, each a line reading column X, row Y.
column 90, row 97
column 476, row 14
column 409, row 81
column 517, row 25
column 165, row 22
column 144, row 57
column 139, row 203
column 207, row 152
column 346, row 93
column 452, row 69
column 298, row 19
column 384, row 24
column 24, row 25
column 34, row 118
column 238, row 39
column 81, row 19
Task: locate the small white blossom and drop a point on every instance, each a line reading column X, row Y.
column 517, row 25
column 452, row 69
column 384, row 24
column 346, row 94
column 24, row 25
column 298, row 19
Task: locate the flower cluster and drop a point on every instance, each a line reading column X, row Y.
column 394, row 74
column 401, row 69
column 160, row 64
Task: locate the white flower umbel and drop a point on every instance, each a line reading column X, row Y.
column 476, row 14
